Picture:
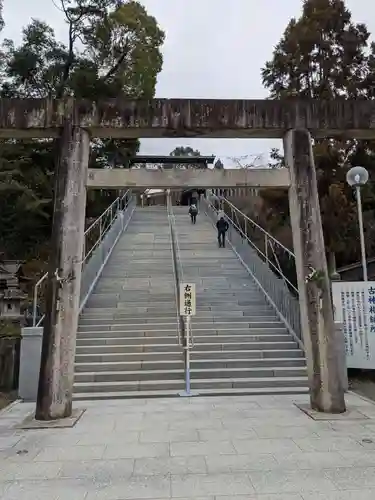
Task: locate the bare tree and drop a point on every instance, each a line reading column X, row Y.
column 1, row 15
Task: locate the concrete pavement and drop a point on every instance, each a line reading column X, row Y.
column 220, row 448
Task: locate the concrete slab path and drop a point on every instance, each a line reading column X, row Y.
column 253, row 448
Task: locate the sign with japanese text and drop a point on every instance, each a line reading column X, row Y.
column 354, row 306
column 187, row 299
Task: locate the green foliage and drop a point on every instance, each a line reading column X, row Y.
column 25, row 196
column 320, row 55
column 219, row 165
column 9, row 328
column 185, row 151
column 113, row 50
column 325, row 55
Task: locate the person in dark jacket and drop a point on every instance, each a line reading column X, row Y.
column 222, row 227
column 193, row 211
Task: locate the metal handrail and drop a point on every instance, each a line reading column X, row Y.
column 270, row 242
column 181, row 278
column 278, row 289
column 257, row 226
column 184, row 323
column 102, row 224
column 177, row 267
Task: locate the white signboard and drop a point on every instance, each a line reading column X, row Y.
column 187, row 299
column 354, row 306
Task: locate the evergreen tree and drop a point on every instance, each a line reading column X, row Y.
column 113, row 50
column 324, row 55
column 185, row 151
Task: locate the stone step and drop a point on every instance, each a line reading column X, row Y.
column 195, row 374
column 117, row 313
column 249, row 354
column 198, row 326
column 135, row 299
column 235, row 344
column 196, row 364
column 130, row 376
column 199, row 347
column 135, row 385
column 85, row 331
column 164, row 393
column 142, row 274
column 196, row 384
column 123, row 335
column 198, row 322
column 125, row 308
column 126, row 341
column 157, row 294
column 100, row 359
column 128, row 348
column 139, row 305
column 174, row 347
column 140, row 289
column 135, row 295
column 139, row 337
column 196, row 356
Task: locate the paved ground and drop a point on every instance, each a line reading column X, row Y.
column 261, row 448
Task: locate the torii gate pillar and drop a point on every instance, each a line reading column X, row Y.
column 318, row 328
column 64, row 276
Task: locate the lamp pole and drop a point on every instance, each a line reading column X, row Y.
column 361, row 232
column 358, row 177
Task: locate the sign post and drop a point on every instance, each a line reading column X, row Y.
column 187, row 310
column 354, row 305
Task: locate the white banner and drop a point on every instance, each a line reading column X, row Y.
column 354, row 306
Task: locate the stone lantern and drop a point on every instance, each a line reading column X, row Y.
column 11, row 295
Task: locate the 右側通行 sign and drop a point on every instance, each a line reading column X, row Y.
column 187, row 299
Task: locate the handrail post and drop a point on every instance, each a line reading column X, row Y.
column 180, row 323
column 187, row 355
column 35, row 303
column 184, row 322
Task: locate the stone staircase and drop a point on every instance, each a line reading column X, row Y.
column 240, row 345
column 127, row 337
column 127, row 343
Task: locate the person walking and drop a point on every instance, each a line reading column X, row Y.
column 222, row 227
column 193, row 211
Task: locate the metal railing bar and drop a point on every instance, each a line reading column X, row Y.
column 263, row 254
column 177, row 268
column 92, row 286
column 277, row 292
column 261, row 229
column 35, row 298
column 270, row 300
column 87, row 254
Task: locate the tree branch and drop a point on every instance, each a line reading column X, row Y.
column 71, row 57
column 115, row 68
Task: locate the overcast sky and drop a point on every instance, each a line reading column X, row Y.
column 213, row 49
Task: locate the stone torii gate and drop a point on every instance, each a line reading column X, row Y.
column 74, row 123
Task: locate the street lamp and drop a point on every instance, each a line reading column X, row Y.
column 358, row 177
